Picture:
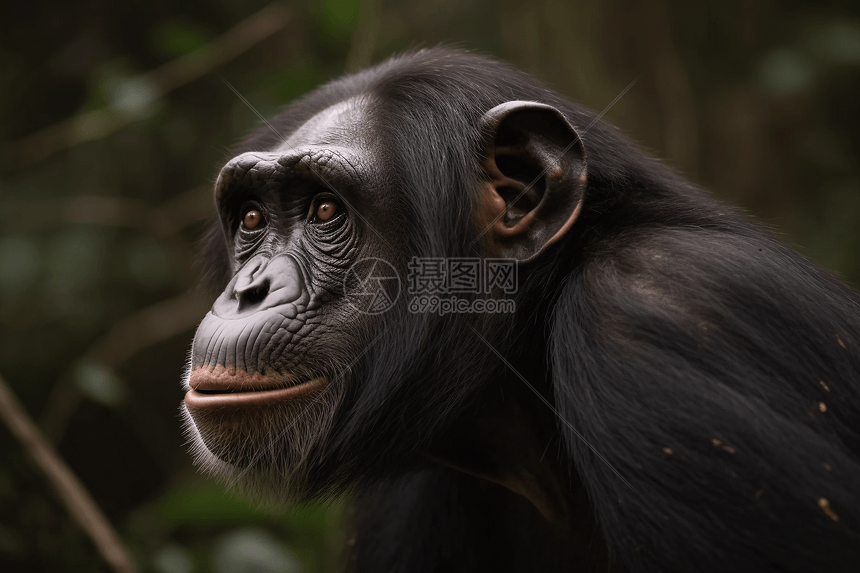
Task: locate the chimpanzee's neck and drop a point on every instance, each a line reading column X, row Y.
column 502, row 440
column 501, row 445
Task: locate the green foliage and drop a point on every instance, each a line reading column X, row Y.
column 19, row 263
column 149, row 263
column 336, row 19
column 178, row 37
column 101, row 384
column 218, row 528
column 252, row 550
column 837, row 42
column 785, row 72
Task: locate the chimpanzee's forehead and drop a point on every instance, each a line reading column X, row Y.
column 342, row 124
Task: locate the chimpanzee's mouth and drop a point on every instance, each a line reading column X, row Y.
column 220, row 388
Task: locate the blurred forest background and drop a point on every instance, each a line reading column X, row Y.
column 115, row 118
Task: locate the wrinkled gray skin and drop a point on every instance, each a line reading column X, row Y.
column 267, row 330
column 290, row 265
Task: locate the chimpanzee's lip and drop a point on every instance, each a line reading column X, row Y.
column 219, row 388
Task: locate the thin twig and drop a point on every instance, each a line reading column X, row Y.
column 163, row 221
column 80, row 505
column 99, row 123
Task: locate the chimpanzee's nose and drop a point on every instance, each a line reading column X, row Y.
column 262, row 283
column 252, row 287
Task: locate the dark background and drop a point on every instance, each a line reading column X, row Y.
column 115, row 118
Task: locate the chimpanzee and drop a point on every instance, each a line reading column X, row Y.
column 517, row 341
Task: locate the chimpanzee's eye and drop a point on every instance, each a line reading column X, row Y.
column 252, row 219
column 322, row 210
column 326, row 210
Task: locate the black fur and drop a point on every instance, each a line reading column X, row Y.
column 715, row 371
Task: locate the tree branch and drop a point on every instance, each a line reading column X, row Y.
column 80, row 505
column 99, row 123
column 163, row 221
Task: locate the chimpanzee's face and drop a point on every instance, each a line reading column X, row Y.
column 270, row 360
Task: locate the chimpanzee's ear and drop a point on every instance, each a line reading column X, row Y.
column 535, row 168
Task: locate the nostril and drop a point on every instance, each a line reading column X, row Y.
column 252, row 296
